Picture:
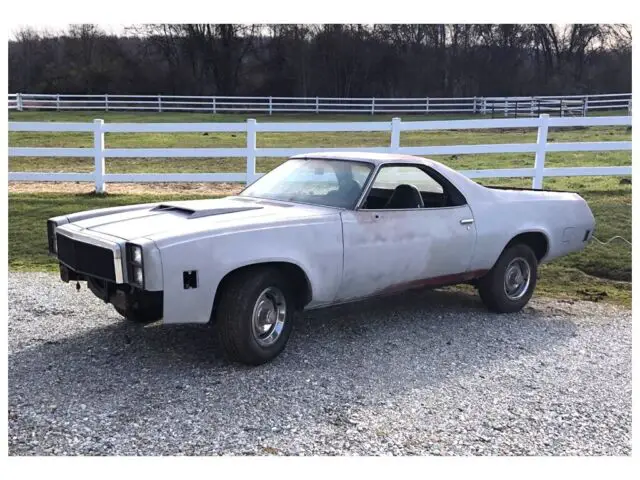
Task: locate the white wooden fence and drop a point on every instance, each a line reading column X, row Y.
column 570, row 105
column 100, row 152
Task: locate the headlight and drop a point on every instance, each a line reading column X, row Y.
column 136, row 254
column 138, row 276
column 135, row 264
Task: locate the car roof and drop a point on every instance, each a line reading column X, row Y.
column 375, row 158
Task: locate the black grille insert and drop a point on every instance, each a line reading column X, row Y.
column 86, row 258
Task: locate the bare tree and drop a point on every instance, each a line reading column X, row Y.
column 407, row 60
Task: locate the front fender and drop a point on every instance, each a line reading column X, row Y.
column 316, row 248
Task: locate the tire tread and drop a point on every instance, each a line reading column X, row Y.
column 236, row 304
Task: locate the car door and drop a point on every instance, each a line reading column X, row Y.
column 389, row 249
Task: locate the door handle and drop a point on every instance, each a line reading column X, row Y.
column 466, row 221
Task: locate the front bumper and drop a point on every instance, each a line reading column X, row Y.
column 122, row 296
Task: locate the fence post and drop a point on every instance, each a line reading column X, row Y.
column 562, row 108
column 58, row 102
column 373, row 105
column 213, row 103
column 395, row 134
column 532, row 107
column 426, row 107
column 585, row 106
column 543, row 130
column 106, row 101
column 98, row 155
column 251, row 150
column 270, row 105
column 629, row 107
column 19, row 102
column 506, row 107
column 317, row 105
column 475, row 105
column 159, row 103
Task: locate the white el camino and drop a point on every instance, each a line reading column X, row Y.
column 320, row 229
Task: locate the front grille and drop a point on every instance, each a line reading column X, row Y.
column 86, row 258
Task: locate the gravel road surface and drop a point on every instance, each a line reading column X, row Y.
column 424, row 373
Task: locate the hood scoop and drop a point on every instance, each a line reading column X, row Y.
column 200, row 212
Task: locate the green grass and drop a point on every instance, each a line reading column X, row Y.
column 180, row 117
column 599, row 272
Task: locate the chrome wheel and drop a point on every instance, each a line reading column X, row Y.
column 269, row 313
column 517, row 278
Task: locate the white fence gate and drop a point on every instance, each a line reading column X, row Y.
column 100, row 151
column 568, row 105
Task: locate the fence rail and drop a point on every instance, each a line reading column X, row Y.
column 100, row 152
column 569, row 105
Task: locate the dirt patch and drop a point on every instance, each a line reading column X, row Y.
column 209, row 189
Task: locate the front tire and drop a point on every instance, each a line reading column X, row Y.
column 139, row 315
column 137, row 307
column 509, row 285
column 255, row 314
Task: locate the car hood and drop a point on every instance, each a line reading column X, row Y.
column 170, row 219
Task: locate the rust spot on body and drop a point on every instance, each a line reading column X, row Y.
column 434, row 282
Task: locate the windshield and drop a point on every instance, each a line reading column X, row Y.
column 333, row 183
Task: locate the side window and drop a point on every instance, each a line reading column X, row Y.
column 391, row 177
column 408, row 187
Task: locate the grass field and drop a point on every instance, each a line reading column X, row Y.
column 598, row 273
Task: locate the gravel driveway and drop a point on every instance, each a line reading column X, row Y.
column 422, row 373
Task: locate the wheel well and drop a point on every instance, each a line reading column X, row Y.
column 537, row 241
column 292, row 271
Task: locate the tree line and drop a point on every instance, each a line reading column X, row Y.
column 354, row 60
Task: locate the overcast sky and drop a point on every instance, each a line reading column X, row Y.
column 109, row 28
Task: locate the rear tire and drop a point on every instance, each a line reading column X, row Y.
column 254, row 315
column 509, row 285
